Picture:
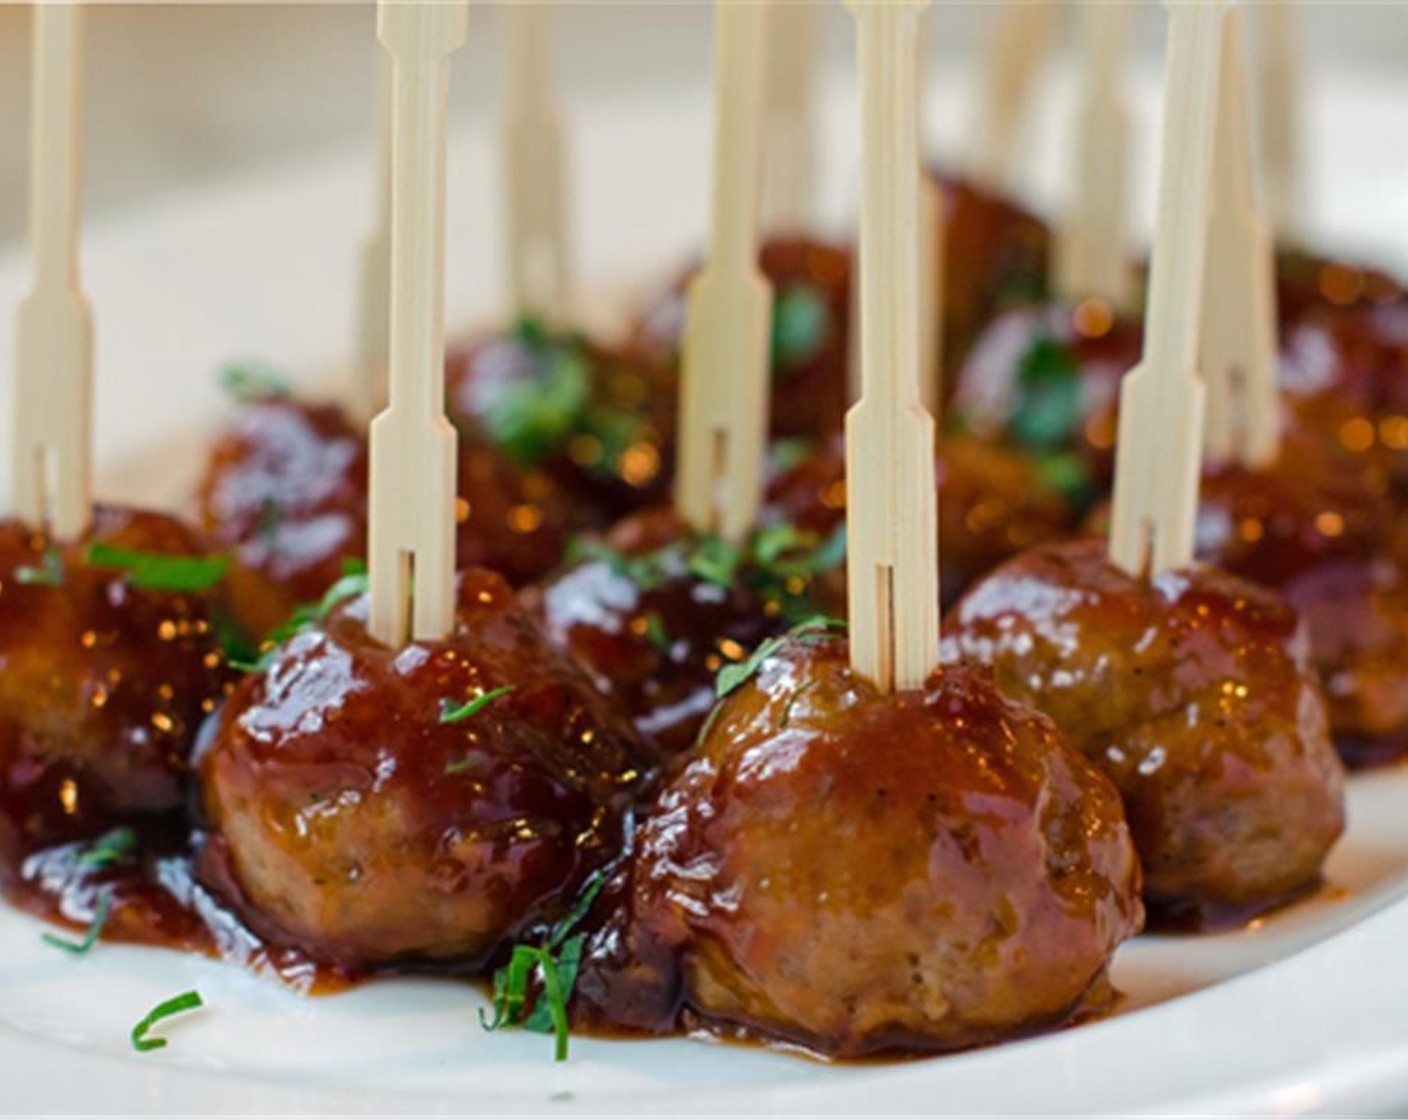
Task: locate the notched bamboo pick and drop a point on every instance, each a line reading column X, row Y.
column 1158, row 454
column 374, row 269
column 54, row 331
column 1238, row 356
column 1091, row 259
column 412, row 515
column 789, row 180
column 892, row 536
column 538, row 250
column 1022, row 39
column 1281, row 112
column 724, row 374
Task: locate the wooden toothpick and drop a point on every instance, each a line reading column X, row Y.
column 1020, row 43
column 412, row 514
column 724, row 374
column 539, row 268
column 54, row 338
column 1091, row 256
column 1238, row 356
column 931, row 248
column 892, row 536
column 374, row 269
column 1161, row 400
column 789, row 180
column 1281, row 114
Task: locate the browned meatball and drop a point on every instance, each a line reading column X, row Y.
column 103, row 683
column 351, row 818
column 994, row 501
column 286, row 490
column 652, row 617
column 811, row 282
column 862, row 873
column 1193, row 690
column 599, row 423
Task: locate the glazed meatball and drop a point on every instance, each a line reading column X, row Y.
column 103, row 682
column 598, row 423
column 810, row 335
column 1194, row 691
column 286, row 490
column 354, row 816
column 861, row 873
column 994, row 501
column 652, row 616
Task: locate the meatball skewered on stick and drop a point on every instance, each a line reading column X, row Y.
column 923, row 922
column 1192, row 689
column 404, row 784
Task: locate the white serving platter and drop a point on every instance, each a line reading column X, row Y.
column 1306, row 1011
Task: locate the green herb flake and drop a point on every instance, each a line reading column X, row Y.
column 555, row 965
column 48, row 573
column 157, row 571
column 176, row 1005
column 786, row 719
column 95, row 930
column 800, row 326
column 110, row 848
column 249, row 381
column 530, row 419
column 714, row 560
column 655, row 631
column 1049, row 395
column 450, row 712
column 731, row 677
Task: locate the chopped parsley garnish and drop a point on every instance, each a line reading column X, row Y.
column 95, row 930
column 48, row 573
column 715, row 560
column 531, row 419
column 176, row 1005
column 554, row 964
column 1049, row 396
column 731, row 677
column 792, row 702
column 800, row 324
column 450, row 712
column 250, row 380
column 110, row 848
column 157, row 571
column 656, row 632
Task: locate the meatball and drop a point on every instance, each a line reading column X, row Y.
column 354, row 815
column 861, row 873
column 810, row 335
column 1047, row 379
column 994, row 501
column 1194, row 691
column 103, row 682
column 598, row 423
column 995, row 256
column 651, row 616
column 286, row 490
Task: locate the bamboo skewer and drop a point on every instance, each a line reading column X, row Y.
column 931, row 250
column 789, row 181
column 1281, row 114
column 1023, row 37
column 54, row 336
column 538, row 251
column 1239, row 297
column 374, row 269
column 1161, row 399
column 1091, row 259
column 892, row 536
column 412, row 499
column 724, row 374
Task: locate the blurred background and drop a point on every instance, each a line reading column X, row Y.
column 181, row 94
